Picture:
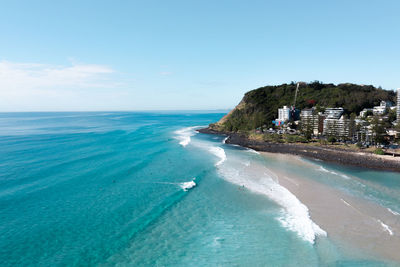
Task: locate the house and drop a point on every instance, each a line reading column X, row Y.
column 365, row 111
column 382, row 108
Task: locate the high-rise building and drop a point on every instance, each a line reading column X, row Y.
column 283, row 114
column 398, row 105
column 336, row 127
column 333, row 113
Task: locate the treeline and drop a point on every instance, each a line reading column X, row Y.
column 261, row 105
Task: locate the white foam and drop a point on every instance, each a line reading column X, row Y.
column 386, row 227
column 220, row 153
column 322, row 169
column 226, row 138
column 294, row 215
column 253, row 151
column 345, row 202
column 183, row 135
column 187, row 185
column 393, row 212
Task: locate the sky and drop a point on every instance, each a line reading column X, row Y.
column 187, row 55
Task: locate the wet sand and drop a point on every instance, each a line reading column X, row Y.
column 348, row 220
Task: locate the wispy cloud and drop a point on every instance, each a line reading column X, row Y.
column 28, row 76
column 165, row 73
column 32, row 86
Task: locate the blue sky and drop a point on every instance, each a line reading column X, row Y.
column 156, row 55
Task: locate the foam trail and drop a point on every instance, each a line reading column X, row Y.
column 386, row 227
column 183, row 135
column 187, row 185
column 220, row 153
column 393, row 212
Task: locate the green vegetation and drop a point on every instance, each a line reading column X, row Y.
column 259, row 107
column 379, row 151
column 277, row 138
column 331, row 139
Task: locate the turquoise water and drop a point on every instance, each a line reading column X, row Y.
column 90, row 189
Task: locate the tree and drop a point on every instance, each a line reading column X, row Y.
column 352, row 125
column 331, row 139
column 392, row 115
column 378, row 130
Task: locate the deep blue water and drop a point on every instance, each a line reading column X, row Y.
column 90, row 189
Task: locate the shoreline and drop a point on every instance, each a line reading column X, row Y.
column 351, row 222
column 339, row 156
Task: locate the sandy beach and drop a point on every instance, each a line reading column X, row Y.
column 353, row 222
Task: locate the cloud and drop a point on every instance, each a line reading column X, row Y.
column 32, row 86
column 165, row 73
column 30, row 76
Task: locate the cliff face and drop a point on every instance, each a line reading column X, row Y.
column 259, row 106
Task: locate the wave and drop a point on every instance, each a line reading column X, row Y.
column 252, row 151
column 220, row 153
column 385, row 227
column 184, row 135
column 322, row 169
column 393, row 212
column 226, row 138
column 294, row 214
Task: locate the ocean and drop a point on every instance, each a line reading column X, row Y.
column 144, row 189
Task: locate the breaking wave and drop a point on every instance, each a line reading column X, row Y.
column 184, row 135
column 220, row 153
column 294, row 214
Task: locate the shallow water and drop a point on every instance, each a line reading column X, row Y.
column 112, row 189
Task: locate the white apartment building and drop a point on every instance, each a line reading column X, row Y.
column 336, row 127
column 333, row 113
column 309, row 119
column 398, row 105
column 381, row 109
column 283, row 114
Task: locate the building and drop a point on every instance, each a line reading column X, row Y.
column 309, row 121
column 333, row 113
column 365, row 111
column 336, row 127
column 398, row 105
column 283, row 114
column 382, row 108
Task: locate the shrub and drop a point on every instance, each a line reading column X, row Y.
column 331, row 139
column 379, row 151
